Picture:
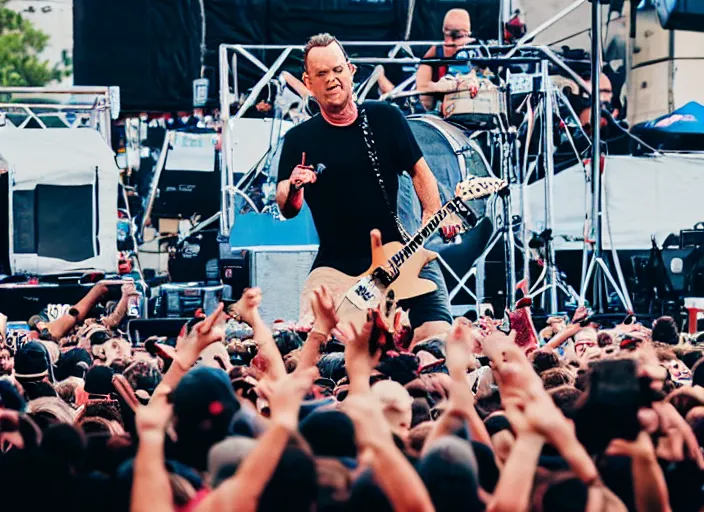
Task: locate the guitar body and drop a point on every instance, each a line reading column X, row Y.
column 399, row 264
column 407, row 285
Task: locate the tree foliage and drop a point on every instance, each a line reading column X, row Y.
column 20, row 46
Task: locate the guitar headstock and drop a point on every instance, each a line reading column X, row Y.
column 477, row 187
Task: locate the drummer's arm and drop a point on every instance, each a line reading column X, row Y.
column 424, row 83
column 295, row 84
column 426, row 187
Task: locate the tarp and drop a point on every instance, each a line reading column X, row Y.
column 65, row 182
column 681, row 130
column 149, row 48
column 428, row 16
column 152, row 48
column 642, row 196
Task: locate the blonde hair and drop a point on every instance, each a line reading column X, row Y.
column 66, row 389
column 53, row 406
column 99, row 424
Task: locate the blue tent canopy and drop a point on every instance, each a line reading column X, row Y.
column 683, row 129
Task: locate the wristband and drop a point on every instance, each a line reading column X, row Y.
column 318, row 331
column 73, row 312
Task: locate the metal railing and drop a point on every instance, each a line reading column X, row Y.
column 86, row 107
column 229, row 94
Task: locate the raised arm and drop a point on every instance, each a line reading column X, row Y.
column 513, row 491
column 188, row 349
column 394, row 474
column 461, row 408
column 151, row 490
column 325, row 321
column 247, row 309
column 294, row 174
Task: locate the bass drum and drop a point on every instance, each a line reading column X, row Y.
column 452, row 156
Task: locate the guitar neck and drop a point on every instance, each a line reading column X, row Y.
column 424, row 233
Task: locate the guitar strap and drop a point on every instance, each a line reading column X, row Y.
column 374, row 158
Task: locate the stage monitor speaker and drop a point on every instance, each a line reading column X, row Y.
column 179, row 300
column 681, row 14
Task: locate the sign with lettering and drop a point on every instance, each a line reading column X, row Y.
column 364, row 294
column 192, row 152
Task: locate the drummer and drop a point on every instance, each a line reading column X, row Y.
column 439, row 79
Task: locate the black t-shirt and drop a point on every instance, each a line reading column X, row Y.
column 346, row 202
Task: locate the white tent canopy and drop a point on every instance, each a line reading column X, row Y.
column 62, row 182
column 643, row 197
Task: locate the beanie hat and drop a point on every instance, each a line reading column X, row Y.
column 32, row 362
column 99, row 381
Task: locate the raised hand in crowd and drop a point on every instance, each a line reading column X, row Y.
column 392, row 471
column 150, row 479
column 459, row 346
column 190, row 345
column 325, row 320
column 522, row 388
column 246, row 309
column 128, row 290
column 361, row 355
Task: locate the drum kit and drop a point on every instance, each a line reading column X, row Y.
column 507, row 130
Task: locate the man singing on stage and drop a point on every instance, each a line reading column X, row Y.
column 346, row 199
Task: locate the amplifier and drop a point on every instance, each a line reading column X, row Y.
column 692, row 237
column 666, row 67
column 681, row 14
column 177, row 300
column 280, row 271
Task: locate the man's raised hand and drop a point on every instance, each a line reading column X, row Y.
column 326, row 318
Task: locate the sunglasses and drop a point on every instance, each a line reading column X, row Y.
column 455, row 34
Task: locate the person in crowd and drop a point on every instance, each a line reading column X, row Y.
column 352, row 425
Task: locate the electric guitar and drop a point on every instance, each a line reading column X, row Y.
column 395, row 266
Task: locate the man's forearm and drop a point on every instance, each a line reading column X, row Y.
column 290, row 201
column 114, row 319
column 311, row 350
column 247, row 485
column 399, row 481
column 512, row 492
column 268, row 350
column 150, row 488
column 426, row 187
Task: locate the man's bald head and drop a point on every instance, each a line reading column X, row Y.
column 457, row 19
column 456, row 29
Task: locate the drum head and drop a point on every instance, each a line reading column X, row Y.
column 451, row 155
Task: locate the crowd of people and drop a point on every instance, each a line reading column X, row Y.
column 239, row 415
